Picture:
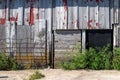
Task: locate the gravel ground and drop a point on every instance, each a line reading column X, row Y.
column 58, row 74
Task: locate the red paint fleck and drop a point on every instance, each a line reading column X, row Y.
column 99, row 1
column 37, row 15
column 31, row 22
column 90, row 24
column 97, row 24
column 64, row 17
column 77, row 23
column 65, row 5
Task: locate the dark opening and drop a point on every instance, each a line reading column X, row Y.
column 99, row 38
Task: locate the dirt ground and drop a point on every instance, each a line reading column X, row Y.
column 58, row 74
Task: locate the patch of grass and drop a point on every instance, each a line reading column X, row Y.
column 8, row 63
column 116, row 59
column 93, row 58
column 36, row 75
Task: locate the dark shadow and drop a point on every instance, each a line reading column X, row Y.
column 3, row 76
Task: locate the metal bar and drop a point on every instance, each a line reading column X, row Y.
column 46, row 41
column 53, row 50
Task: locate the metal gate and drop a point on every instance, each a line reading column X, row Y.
column 27, row 44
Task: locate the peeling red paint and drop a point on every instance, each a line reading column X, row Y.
column 65, row 4
column 90, row 24
column 14, row 18
column 99, row 1
column 31, row 22
column 3, row 20
column 97, row 24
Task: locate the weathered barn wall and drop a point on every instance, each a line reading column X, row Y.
column 59, row 14
column 65, row 14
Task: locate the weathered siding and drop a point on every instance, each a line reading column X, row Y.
column 83, row 14
column 65, row 14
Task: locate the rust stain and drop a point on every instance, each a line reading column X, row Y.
column 31, row 22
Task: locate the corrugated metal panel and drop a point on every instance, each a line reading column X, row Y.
column 67, row 14
column 83, row 14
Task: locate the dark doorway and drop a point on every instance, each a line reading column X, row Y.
column 99, row 38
